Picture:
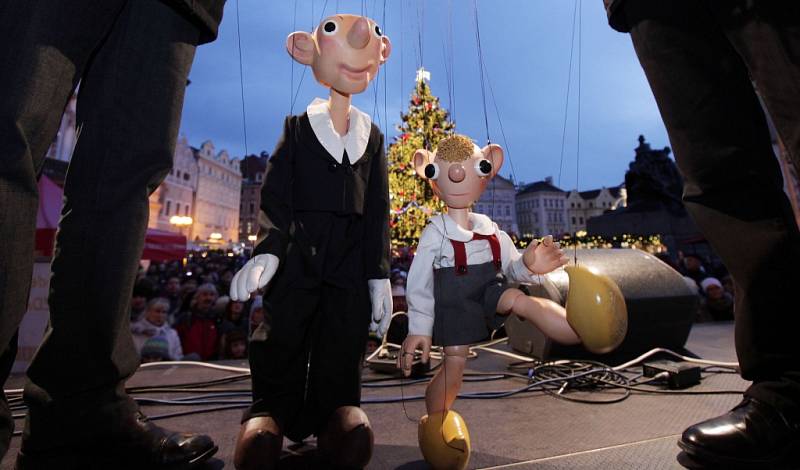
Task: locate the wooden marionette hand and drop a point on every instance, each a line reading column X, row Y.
column 405, row 360
column 541, row 258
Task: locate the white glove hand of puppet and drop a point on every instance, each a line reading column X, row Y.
column 380, row 293
column 254, row 275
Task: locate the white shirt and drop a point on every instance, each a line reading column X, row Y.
column 356, row 139
column 435, row 251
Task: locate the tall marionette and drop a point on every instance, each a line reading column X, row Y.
column 323, row 248
column 458, row 290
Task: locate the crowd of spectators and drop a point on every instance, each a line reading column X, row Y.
column 182, row 311
column 712, row 284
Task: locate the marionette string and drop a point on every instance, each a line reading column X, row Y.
column 448, row 53
column 241, row 78
column 420, row 33
column 569, row 86
column 385, row 88
column 296, row 92
column 578, row 130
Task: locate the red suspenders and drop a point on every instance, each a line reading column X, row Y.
column 460, row 252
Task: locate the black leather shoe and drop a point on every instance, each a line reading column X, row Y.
column 752, row 435
column 139, row 444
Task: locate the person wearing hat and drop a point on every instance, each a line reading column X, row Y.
column 198, row 328
column 143, row 291
column 692, row 267
column 155, row 349
column 717, row 303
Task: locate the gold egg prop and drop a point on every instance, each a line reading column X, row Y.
column 444, row 443
column 596, row 310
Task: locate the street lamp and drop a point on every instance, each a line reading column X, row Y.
column 180, row 222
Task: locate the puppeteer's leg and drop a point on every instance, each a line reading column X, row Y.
column 129, row 108
column 547, row 315
column 44, row 48
column 443, row 389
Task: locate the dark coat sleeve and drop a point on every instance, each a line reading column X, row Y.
column 205, row 14
column 275, row 217
column 616, row 15
column 376, row 216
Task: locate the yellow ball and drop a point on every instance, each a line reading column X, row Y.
column 444, row 442
column 596, row 310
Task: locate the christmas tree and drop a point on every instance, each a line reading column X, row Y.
column 423, row 126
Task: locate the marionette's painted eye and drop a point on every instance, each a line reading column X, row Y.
column 483, row 167
column 432, row 171
column 377, row 31
column 330, row 27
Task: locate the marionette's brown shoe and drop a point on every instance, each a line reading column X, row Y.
column 259, row 444
column 347, row 440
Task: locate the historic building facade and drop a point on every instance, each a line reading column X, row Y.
column 498, row 202
column 541, row 209
column 200, row 196
column 175, row 196
column 583, row 205
column 216, row 204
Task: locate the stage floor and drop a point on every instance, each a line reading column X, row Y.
column 526, row 431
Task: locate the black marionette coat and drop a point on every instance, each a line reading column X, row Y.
column 326, row 221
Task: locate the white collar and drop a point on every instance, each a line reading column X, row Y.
column 481, row 225
column 356, row 139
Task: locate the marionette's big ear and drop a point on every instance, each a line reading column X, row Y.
column 386, row 48
column 300, row 46
column 494, row 153
column 421, row 159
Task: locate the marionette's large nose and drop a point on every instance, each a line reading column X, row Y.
column 358, row 37
column 456, row 173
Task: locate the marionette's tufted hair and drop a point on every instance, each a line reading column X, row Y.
column 455, row 148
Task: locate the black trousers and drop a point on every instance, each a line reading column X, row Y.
column 700, row 61
column 309, row 364
column 132, row 59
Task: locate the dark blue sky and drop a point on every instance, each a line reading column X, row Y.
column 526, row 49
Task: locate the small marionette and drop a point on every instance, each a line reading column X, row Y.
column 458, row 287
column 323, row 248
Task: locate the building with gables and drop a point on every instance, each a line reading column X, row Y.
column 583, row 205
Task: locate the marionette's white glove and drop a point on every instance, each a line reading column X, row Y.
column 254, row 275
column 380, row 293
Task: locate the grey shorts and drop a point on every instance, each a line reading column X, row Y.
column 466, row 305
